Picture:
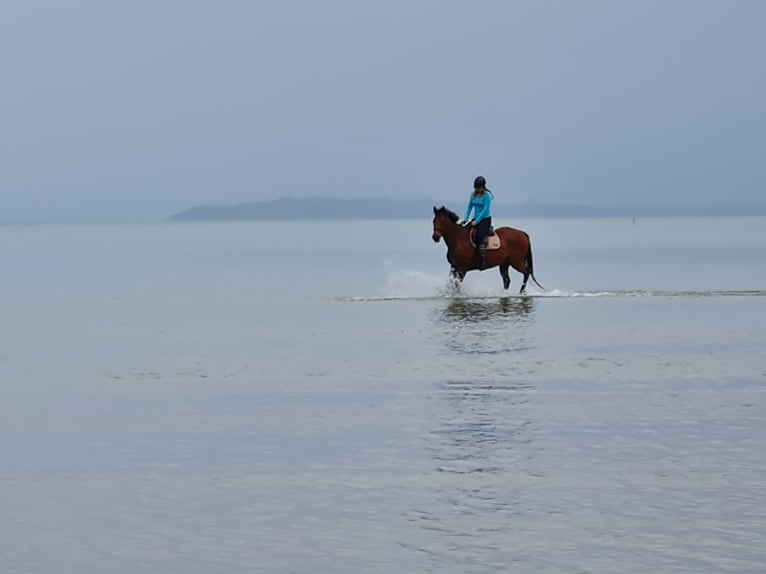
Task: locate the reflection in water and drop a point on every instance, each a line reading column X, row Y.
column 478, row 425
column 473, row 327
column 481, row 452
column 475, row 311
column 482, row 430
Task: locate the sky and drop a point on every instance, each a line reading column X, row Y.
column 133, row 111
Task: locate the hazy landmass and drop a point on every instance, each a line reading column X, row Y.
column 381, row 208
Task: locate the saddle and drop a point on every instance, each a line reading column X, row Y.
column 493, row 239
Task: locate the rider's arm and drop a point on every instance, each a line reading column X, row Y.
column 467, row 210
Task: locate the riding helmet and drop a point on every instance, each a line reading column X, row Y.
column 479, row 182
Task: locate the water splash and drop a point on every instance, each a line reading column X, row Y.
column 416, row 285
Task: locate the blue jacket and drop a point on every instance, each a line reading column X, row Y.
column 480, row 206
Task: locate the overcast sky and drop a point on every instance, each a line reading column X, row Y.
column 136, row 110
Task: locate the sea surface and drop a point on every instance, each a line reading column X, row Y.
column 312, row 397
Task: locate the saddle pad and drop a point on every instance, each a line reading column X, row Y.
column 493, row 241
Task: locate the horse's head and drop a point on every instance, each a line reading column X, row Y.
column 443, row 218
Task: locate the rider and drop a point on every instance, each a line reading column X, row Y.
column 479, row 202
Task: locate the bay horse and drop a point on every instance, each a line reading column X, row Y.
column 515, row 249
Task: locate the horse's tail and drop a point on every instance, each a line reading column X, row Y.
column 529, row 264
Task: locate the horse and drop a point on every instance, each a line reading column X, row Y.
column 515, row 249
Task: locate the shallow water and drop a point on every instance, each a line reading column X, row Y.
column 189, row 398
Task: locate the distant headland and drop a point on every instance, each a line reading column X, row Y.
column 322, row 208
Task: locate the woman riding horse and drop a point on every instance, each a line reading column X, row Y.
column 479, row 202
column 515, row 249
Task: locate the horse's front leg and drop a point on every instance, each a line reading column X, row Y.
column 457, row 274
column 456, row 278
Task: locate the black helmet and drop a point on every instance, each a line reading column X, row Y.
column 479, row 182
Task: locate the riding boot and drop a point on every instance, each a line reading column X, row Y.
column 482, row 257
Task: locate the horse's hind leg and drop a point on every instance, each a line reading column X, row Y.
column 524, row 283
column 505, row 276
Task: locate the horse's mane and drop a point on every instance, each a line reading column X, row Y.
column 453, row 217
